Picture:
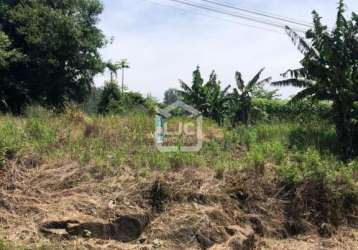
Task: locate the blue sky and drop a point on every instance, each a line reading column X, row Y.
column 164, row 41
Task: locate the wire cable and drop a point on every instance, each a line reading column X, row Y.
column 217, row 17
column 276, row 25
column 260, row 13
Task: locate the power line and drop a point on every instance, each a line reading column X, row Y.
column 276, row 25
column 272, row 14
column 260, row 13
column 217, row 17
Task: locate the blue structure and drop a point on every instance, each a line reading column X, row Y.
column 159, row 129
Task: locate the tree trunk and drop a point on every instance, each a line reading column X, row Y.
column 122, row 80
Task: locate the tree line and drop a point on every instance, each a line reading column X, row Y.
column 48, row 52
column 49, row 55
column 217, row 103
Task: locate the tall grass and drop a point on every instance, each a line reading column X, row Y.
column 107, row 142
column 297, row 150
column 301, row 156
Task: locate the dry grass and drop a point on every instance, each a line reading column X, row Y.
column 200, row 209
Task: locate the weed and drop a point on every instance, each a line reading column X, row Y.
column 159, row 194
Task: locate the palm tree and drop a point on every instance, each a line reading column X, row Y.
column 329, row 71
column 113, row 68
column 123, row 65
column 241, row 97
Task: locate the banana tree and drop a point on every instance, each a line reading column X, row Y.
column 241, row 97
column 208, row 98
column 217, row 99
column 196, row 94
column 330, row 72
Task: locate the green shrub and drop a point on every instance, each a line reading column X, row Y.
column 320, row 135
column 38, row 112
column 39, row 131
column 267, row 152
column 113, row 101
column 110, row 99
column 310, row 165
column 11, row 140
column 305, row 110
column 322, row 188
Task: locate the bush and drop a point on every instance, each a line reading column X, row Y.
column 312, row 166
column 265, row 109
column 11, row 137
column 259, row 154
column 110, row 99
column 38, row 112
column 321, row 189
column 39, row 131
column 313, row 135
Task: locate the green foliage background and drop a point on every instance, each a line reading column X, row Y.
column 54, row 50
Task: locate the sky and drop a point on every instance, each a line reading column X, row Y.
column 164, row 41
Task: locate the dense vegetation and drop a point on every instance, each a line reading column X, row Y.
column 330, row 72
column 48, row 62
column 106, row 141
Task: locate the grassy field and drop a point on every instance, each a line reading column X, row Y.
column 298, row 156
column 297, row 150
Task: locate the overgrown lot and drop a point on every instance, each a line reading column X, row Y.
column 280, row 179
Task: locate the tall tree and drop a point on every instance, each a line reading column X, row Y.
column 60, row 41
column 208, row 98
column 217, row 99
column 241, row 97
column 113, row 70
column 123, row 64
column 330, row 71
column 8, row 55
column 194, row 95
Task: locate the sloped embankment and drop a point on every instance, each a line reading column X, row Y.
column 74, row 207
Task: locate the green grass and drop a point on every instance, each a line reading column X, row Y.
column 299, row 151
column 6, row 245
column 108, row 142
